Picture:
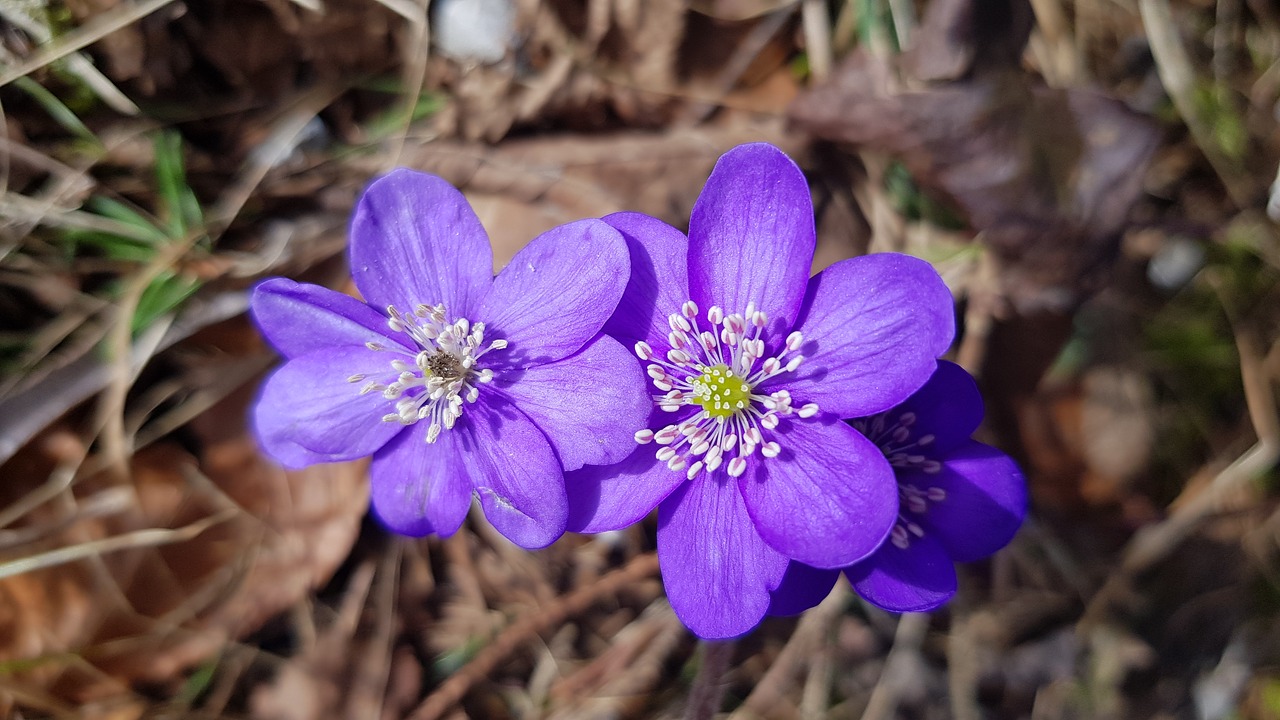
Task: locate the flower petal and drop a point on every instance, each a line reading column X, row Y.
column 611, row 497
column 717, row 570
column 659, row 282
column 557, row 293
column 589, row 405
column 515, row 472
column 307, row 403
column 419, row 488
column 872, row 326
column 918, row 578
column 803, row 587
column 414, row 239
column 751, row 235
column 298, row 318
column 947, row 410
column 828, row 499
column 985, row 502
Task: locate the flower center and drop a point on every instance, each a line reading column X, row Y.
column 720, row 392
column 432, row 383
column 715, row 364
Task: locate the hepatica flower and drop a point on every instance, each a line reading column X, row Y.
column 752, row 366
column 458, row 383
column 959, row 501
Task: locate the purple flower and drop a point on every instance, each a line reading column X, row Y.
column 755, row 364
column 458, row 383
column 960, row 501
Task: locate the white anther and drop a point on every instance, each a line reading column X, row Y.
column 737, row 466
column 715, row 315
column 644, row 351
column 694, row 469
column 690, row 309
column 666, row 454
column 644, row 437
column 770, row 449
column 794, row 363
column 794, row 341
column 808, row 410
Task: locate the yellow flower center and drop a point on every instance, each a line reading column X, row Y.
column 720, row 392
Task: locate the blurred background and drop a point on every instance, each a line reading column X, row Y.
column 1095, row 180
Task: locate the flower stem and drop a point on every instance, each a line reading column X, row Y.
column 709, row 685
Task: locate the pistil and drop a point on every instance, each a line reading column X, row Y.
column 433, row 383
column 717, row 368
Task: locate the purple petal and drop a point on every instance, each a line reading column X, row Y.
column 828, row 499
column 803, row 587
column 985, row 501
column 418, row 488
column 872, row 326
column 298, row 318
column 515, row 472
column 659, row 282
column 717, row 570
column 916, row 579
column 751, row 236
column 611, row 497
column 557, row 293
column 307, row 403
column 946, row 411
column 589, row 405
column 414, row 239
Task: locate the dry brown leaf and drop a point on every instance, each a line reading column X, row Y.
column 1047, row 176
column 146, row 614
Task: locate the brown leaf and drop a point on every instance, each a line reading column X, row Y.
column 148, row 613
column 1047, row 176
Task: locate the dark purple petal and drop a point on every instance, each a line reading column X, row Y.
column 803, row 587
column 659, row 282
column 298, row 318
column 418, row 488
column 556, row 294
column 717, row 570
column 589, row 405
column 308, row 403
column 916, row 579
column 985, row 501
column 751, row 236
column 828, row 499
column 611, row 497
column 945, row 411
column 873, row 327
column 414, row 239
column 516, row 474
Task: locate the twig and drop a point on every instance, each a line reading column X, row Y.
column 709, row 685
column 817, row 38
column 1177, row 74
column 451, row 691
column 906, row 645
column 769, row 692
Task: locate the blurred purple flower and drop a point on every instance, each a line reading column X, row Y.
column 755, row 365
column 459, row 384
column 960, row 501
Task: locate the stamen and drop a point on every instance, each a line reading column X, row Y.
column 433, row 382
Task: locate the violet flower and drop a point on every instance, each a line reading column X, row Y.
column 755, row 366
column 468, row 385
column 960, row 501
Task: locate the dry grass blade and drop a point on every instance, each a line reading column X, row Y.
column 83, row 36
column 1178, row 75
column 906, row 646
column 452, row 690
column 141, row 538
